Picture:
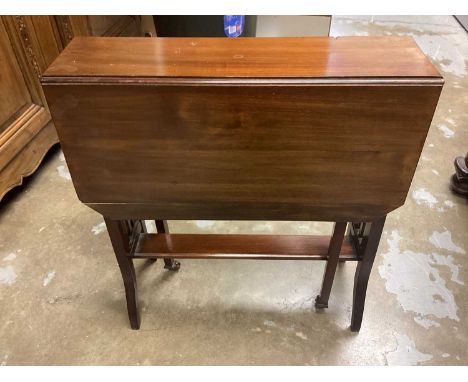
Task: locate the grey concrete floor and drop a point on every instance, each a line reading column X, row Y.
column 62, row 300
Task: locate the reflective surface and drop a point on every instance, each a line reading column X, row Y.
column 63, row 301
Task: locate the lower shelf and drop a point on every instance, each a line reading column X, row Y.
column 277, row 247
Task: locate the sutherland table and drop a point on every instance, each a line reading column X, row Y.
column 323, row 129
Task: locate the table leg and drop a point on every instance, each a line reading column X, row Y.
column 334, row 249
column 363, row 270
column 170, row 264
column 120, row 236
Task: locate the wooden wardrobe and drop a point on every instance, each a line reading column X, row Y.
column 28, row 44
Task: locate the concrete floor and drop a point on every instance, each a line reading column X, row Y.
column 62, row 299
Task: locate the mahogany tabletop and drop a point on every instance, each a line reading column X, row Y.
column 304, row 57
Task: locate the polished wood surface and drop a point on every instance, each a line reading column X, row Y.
column 119, row 231
column 305, row 57
column 234, row 152
column 361, row 278
column 243, row 129
column 283, row 247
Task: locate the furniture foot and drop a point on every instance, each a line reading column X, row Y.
column 363, row 270
column 333, row 255
column 120, row 233
column 319, row 304
column 170, row 264
column 459, row 180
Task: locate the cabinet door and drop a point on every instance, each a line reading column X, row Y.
column 28, row 44
column 22, row 108
column 14, row 94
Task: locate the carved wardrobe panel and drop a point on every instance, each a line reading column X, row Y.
column 28, row 45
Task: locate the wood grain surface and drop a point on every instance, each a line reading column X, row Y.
column 256, row 57
column 246, row 148
column 277, row 247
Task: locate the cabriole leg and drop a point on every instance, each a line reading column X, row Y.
column 363, row 270
column 120, row 232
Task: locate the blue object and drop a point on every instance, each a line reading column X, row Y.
column 233, row 25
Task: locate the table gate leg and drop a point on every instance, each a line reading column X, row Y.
column 363, row 270
column 120, row 236
column 334, row 249
column 170, row 264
